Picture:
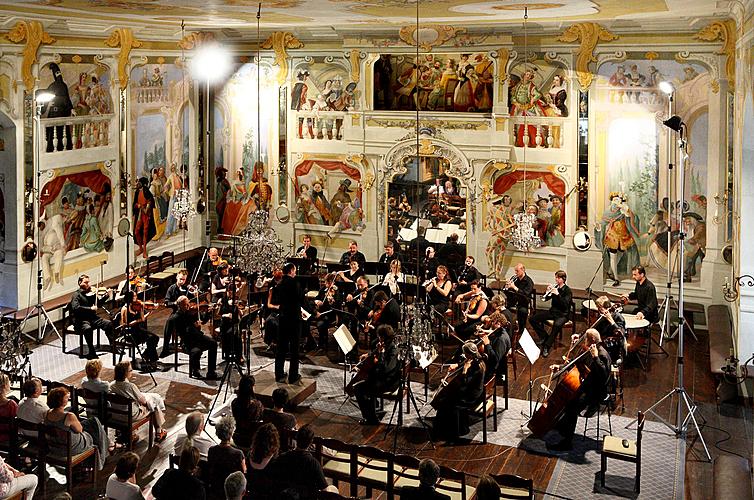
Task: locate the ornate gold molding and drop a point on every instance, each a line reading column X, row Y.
column 725, row 31
column 589, row 34
column 124, row 38
column 193, row 40
column 443, row 34
column 279, row 41
column 503, row 55
column 355, row 59
column 35, row 35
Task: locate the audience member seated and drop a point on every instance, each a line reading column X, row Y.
column 148, row 402
column 429, row 473
column 121, row 485
column 247, row 410
column 222, row 459
column 309, row 476
column 277, row 416
column 8, row 407
column 85, row 433
column 264, row 447
column 181, row 482
column 194, row 436
column 487, row 489
column 31, row 408
column 92, row 382
column 13, row 481
column 235, row 486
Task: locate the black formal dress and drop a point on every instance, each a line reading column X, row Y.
column 289, row 336
column 520, row 300
column 477, row 306
column 384, row 377
column 85, row 319
column 139, row 334
column 560, row 309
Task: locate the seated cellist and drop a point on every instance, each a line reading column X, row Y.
column 593, row 389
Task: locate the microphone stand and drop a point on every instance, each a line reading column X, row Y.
column 589, row 288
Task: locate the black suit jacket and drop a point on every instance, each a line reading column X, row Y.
column 311, row 252
column 421, row 493
column 561, row 304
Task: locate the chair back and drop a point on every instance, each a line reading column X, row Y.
column 640, row 417
column 92, row 403
column 452, row 482
column 48, row 385
column 166, row 257
column 55, row 444
column 513, row 486
column 157, row 267
column 374, row 466
column 29, row 430
column 118, row 411
column 406, row 470
column 10, row 427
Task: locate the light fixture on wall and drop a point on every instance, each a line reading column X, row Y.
column 730, row 290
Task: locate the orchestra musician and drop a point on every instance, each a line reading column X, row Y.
column 466, row 275
column 220, row 281
column 593, row 389
column 349, row 277
column 560, row 307
column 189, row 330
column 419, row 245
column 498, row 303
column 135, row 282
column 391, row 254
column 385, row 311
column 645, row 294
column 209, row 267
column 291, row 302
column 518, row 291
column 171, row 298
column 475, row 309
column 352, row 253
column 612, row 327
column 308, row 252
column 359, row 302
column 429, row 264
column 272, row 309
column 327, row 299
column 133, row 317
column 231, row 314
column 384, row 375
column 438, row 290
column 393, row 277
column 494, row 336
column 84, row 309
column 452, row 419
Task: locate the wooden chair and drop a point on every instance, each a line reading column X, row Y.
column 119, row 416
column 501, row 376
column 341, row 464
column 48, row 385
column 91, row 403
column 405, row 473
column 487, row 407
column 453, row 483
column 374, row 469
column 56, row 451
column 29, row 446
column 10, row 445
column 70, row 329
column 515, row 487
column 612, row 447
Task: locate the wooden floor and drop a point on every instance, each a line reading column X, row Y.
column 642, row 389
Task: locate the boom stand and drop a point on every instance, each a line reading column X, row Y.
column 398, row 405
column 682, row 422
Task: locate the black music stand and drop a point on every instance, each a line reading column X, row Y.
column 334, row 267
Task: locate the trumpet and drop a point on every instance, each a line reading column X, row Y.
column 550, row 288
column 511, row 281
column 302, row 253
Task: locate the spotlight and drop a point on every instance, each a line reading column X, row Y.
column 211, row 63
column 44, row 97
column 666, row 87
column 674, row 123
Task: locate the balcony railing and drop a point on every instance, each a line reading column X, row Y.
column 320, row 125
column 540, row 132
column 151, row 94
column 651, row 96
column 75, row 132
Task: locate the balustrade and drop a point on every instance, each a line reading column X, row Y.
column 74, row 132
column 320, row 125
column 537, row 131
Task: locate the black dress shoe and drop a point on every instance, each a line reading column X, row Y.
column 364, row 421
column 281, row 379
column 92, row 354
column 294, row 380
column 563, row 445
column 195, row 374
column 616, row 283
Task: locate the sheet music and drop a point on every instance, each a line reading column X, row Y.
column 529, row 346
column 344, row 339
column 305, row 315
column 407, row 234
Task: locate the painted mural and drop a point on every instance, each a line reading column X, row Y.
column 76, row 216
column 460, row 82
column 242, row 174
column 88, row 83
column 632, row 144
column 329, row 193
column 539, row 192
column 160, row 118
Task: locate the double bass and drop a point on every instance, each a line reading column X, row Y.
column 555, row 401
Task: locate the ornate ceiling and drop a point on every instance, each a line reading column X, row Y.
column 161, row 19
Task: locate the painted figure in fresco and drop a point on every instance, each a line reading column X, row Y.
column 436, row 99
column 554, row 236
column 143, row 213
column 2, row 226
column 173, row 183
column 427, row 80
column 618, row 79
column 104, row 212
column 483, row 92
column 91, row 237
column 305, row 211
column 543, row 218
column 99, row 98
column 689, row 73
column 463, row 65
column 144, row 82
column 264, row 194
column 75, row 223
column 238, row 187
column 463, row 96
column 52, row 250
column 383, row 81
column 222, row 191
column 406, row 89
column 59, row 106
column 340, row 199
column 557, row 96
column 79, row 93
column 320, row 202
column 499, row 222
column 300, row 102
column 617, row 235
column 157, row 79
column 156, row 186
column 695, row 243
column 526, row 100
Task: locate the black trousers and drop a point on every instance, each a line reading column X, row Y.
column 567, row 424
column 169, row 332
column 232, row 347
column 289, row 338
column 88, row 326
column 196, row 343
column 522, row 314
column 141, row 336
column 366, row 396
column 538, row 323
column 323, row 327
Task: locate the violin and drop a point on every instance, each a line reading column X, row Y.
column 473, row 303
column 330, row 293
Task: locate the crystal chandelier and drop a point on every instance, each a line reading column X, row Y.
column 522, row 234
column 183, row 207
column 261, row 250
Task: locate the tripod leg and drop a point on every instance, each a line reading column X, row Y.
column 52, row 325
column 691, row 407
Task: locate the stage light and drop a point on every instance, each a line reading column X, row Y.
column 44, row 97
column 211, row 63
column 666, row 87
column 674, row 123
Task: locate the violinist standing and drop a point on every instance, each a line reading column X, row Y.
column 593, row 388
column 289, row 335
column 560, row 307
column 385, row 375
column 132, row 317
column 230, row 316
column 84, row 310
column 171, row 297
column 452, row 419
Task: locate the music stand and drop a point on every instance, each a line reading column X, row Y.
column 346, row 343
column 526, row 342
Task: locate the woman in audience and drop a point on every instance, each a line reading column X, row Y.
column 194, row 436
column 31, row 408
column 92, row 382
column 487, row 489
column 85, row 433
column 247, row 410
column 222, row 459
column 122, row 482
column 264, row 448
column 8, row 407
column 181, row 482
column 13, row 481
column 149, row 402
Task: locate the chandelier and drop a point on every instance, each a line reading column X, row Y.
column 261, row 250
column 522, row 235
column 183, row 207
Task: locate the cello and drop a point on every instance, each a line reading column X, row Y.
column 567, row 389
column 364, row 368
